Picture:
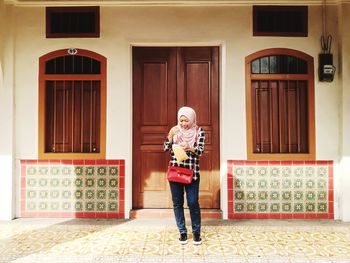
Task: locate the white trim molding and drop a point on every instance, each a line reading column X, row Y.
column 167, row 2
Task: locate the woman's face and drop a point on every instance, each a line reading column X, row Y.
column 184, row 122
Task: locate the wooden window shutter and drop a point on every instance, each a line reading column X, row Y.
column 279, row 110
column 72, row 101
column 280, row 105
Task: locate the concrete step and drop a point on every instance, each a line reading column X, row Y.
column 169, row 213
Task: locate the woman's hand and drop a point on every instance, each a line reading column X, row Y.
column 187, row 147
column 173, row 131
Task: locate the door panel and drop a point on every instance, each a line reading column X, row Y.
column 165, row 79
column 198, row 80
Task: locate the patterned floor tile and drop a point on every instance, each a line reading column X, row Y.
column 92, row 240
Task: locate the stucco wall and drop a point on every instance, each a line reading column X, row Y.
column 229, row 27
column 7, row 171
column 344, row 71
column 122, row 27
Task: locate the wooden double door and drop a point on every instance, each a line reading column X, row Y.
column 165, row 79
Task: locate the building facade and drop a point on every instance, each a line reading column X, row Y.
column 205, row 54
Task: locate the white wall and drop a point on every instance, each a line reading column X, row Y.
column 344, row 69
column 122, row 27
column 7, row 188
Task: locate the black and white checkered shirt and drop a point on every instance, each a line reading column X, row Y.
column 193, row 161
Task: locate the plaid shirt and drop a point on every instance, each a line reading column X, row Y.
column 193, row 161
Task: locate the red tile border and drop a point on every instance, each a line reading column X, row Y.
column 236, row 162
column 298, row 216
column 121, row 194
column 90, row 162
column 112, row 162
column 286, row 215
column 263, row 216
column 78, row 162
column 311, row 162
column 263, row 163
column 230, row 207
column 229, row 183
column 275, row 216
column 324, row 162
column 330, row 196
column 251, row 216
column 239, row 216
column 67, row 162
column 331, row 207
column 251, row 163
column 322, row 216
column 31, row 161
column 122, row 182
column 275, row 163
column 298, row 163
column 286, row 163
column 230, row 195
column 311, row 216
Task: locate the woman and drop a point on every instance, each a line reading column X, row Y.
column 191, row 138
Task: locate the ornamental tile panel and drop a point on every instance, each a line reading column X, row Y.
column 294, row 189
column 67, row 188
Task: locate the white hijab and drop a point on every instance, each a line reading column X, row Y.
column 189, row 135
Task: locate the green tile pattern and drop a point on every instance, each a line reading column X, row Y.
column 71, row 188
column 280, row 189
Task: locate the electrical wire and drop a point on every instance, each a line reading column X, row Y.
column 326, row 44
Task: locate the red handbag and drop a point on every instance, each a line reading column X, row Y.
column 179, row 174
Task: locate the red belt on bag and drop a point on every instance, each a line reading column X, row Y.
column 179, row 174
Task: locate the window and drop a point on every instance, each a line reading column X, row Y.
column 280, row 21
column 280, row 105
column 72, row 22
column 72, row 102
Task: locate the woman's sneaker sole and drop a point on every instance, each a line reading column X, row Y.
column 183, row 242
column 197, row 242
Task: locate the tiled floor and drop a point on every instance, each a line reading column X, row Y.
column 102, row 240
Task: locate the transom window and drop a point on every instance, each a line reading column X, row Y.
column 279, row 64
column 280, row 21
column 72, row 105
column 72, row 21
column 280, row 105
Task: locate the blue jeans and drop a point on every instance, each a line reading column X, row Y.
column 192, row 195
